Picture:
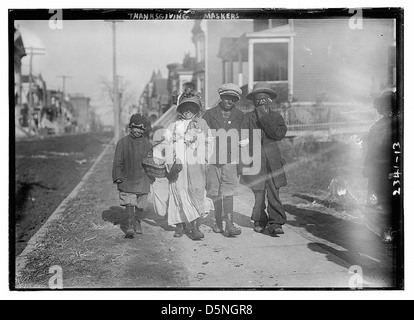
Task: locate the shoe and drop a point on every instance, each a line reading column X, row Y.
column 276, row 231
column 197, row 222
column 231, row 229
column 217, row 228
column 179, row 231
column 258, row 227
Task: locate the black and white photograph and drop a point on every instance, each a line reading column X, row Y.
column 206, row 149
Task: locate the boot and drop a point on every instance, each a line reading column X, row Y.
column 231, row 230
column 130, row 212
column 125, row 220
column 196, row 234
column 180, row 230
column 137, row 221
column 218, row 211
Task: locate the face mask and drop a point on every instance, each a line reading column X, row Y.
column 227, row 103
column 136, row 133
column 262, row 102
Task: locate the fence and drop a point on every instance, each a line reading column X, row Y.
column 302, row 118
column 327, row 117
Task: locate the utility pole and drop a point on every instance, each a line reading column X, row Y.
column 115, row 84
column 64, row 77
column 39, row 51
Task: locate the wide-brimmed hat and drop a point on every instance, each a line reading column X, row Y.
column 230, row 89
column 139, row 120
column 193, row 101
column 262, row 87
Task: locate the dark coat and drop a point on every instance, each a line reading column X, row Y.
column 127, row 165
column 216, row 121
column 273, row 129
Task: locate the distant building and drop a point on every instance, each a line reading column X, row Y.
column 180, row 74
column 307, row 61
column 19, row 53
column 154, row 99
column 36, row 97
column 81, row 107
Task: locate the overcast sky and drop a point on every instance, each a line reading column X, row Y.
column 83, row 50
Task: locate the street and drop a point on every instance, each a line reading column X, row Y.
column 46, row 172
column 318, row 249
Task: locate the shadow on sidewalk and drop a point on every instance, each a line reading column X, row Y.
column 154, row 220
column 361, row 247
column 114, row 215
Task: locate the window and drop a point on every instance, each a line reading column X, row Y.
column 265, row 24
column 271, row 61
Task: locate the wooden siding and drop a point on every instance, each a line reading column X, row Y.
column 332, row 62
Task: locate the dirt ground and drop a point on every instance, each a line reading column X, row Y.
column 47, row 170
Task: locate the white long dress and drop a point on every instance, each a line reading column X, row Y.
column 187, row 196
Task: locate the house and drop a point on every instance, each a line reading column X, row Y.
column 33, row 100
column 81, row 107
column 319, row 67
column 19, row 53
column 154, row 99
column 180, row 74
column 207, row 36
column 312, row 60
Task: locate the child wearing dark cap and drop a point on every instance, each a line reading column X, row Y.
column 222, row 176
column 128, row 173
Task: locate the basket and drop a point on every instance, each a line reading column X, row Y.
column 153, row 169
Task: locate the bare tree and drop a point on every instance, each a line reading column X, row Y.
column 128, row 96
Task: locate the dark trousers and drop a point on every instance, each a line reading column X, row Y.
column 276, row 212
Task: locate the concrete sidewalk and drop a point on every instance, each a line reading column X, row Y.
column 93, row 253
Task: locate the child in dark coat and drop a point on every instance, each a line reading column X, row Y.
column 128, row 173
